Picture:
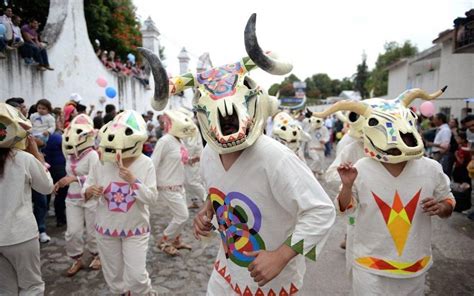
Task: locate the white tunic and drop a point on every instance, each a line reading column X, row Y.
column 22, row 173
column 167, row 158
column 345, row 141
column 318, row 135
column 79, row 167
column 398, row 243
column 268, row 197
column 350, row 153
column 123, row 209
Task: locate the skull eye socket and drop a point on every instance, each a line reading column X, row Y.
column 413, row 114
column 318, row 121
column 373, row 122
column 353, row 116
column 78, row 131
column 186, row 119
column 128, row 131
column 283, row 128
column 249, row 83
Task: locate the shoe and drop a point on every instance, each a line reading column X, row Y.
column 76, row 266
column 41, row 68
column 44, row 238
column 48, row 67
column 2, row 55
column 95, row 263
column 9, row 47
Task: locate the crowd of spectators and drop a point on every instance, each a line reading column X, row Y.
column 24, row 38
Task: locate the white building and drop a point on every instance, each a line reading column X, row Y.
column 450, row 61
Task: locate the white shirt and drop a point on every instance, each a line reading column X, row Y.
column 443, row 136
column 350, row 153
column 318, row 135
column 168, row 162
column 381, row 200
column 42, row 123
column 123, row 210
column 271, row 197
column 22, row 173
column 193, row 145
column 79, row 167
column 345, row 141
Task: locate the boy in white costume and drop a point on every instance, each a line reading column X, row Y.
column 288, row 132
column 395, row 191
column 315, row 148
column 125, row 185
column 192, row 182
column 265, row 218
column 78, row 146
column 169, row 158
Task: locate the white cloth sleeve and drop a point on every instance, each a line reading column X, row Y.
column 51, row 124
column 443, row 188
column 304, row 197
column 40, row 178
column 147, row 191
column 91, row 178
column 325, row 134
column 156, row 156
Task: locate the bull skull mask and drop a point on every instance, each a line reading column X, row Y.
column 178, row 124
column 123, row 137
column 389, row 129
column 14, row 127
column 286, row 131
column 79, row 135
column 231, row 108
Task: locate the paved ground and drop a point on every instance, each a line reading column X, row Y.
column 452, row 273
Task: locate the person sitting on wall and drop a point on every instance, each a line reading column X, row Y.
column 17, row 39
column 33, row 47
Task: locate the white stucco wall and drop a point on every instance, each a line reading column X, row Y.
column 76, row 67
column 397, row 80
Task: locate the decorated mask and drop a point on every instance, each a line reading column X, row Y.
column 14, row 127
column 355, row 122
column 123, row 137
column 389, row 129
column 178, row 124
column 286, row 131
column 314, row 123
column 231, row 109
column 79, row 135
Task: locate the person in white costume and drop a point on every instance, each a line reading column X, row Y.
column 288, row 132
column 78, row 146
column 315, row 148
column 20, row 172
column 192, row 182
column 395, row 191
column 265, row 218
column 124, row 183
column 169, row 158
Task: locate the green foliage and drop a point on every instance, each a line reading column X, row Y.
column 114, row 24
column 378, row 79
column 361, row 78
column 286, row 86
column 273, row 90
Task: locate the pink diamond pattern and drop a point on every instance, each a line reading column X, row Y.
column 120, row 196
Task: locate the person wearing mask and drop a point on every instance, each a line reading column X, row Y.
column 20, row 172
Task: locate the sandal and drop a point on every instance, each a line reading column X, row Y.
column 168, row 249
column 180, row 245
column 95, row 263
column 76, row 266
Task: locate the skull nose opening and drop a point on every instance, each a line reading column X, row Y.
column 409, row 139
column 67, row 139
column 294, row 133
column 230, row 123
column 111, row 138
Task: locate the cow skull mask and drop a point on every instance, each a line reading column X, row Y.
column 123, row 137
column 79, row 135
column 231, row 109
column 389, row 131
column 14, row 127
column 286, row 131
column 178, row 124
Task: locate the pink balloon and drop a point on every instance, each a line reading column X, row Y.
column 427, row 109
column 101, row 82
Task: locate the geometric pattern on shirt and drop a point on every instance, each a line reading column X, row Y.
column 398, row 218
column 394, row 266
column 121, row 233
column 246, row 291
column 299, row 247
column 239, row 221
column 120, row 196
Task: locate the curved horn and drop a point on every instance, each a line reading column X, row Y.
column 262, row 60
column 160, row 98
column 410, row 95
column 357, row 107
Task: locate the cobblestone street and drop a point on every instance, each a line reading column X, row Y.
column 451, row 274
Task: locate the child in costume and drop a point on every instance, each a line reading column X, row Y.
column 169, row 158
column 125, row 185
column 78, row 146
column 315, row 148
column 265, row 218
column 395, row 191
column 192, row 182
column 20, row 172
column 43, row 122
column 286, row 131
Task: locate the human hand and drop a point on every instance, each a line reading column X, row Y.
column 65, row 181
column 127, row 175
column 94, row 190
column 45, row 133
column 202, row 222
column 348, row 173
column 268, row 264
column 433, row 207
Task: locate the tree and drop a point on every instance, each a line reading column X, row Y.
column 286, row 86
column 378, row 79
column 361, row 78
column 323, row 83
column 273, row 90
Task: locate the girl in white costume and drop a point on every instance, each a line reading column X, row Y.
column 395, row 191
column 20, row 171
column 78, row 142
column 265, row 218
column 125, row 185
column 169, row 158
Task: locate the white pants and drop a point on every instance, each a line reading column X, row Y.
column 124, row 263
column 316, row 160
column 369, row 284
column 217, row 286
column 80, row 215
column 193, row 184
column 176, row 202
column 20, row 269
